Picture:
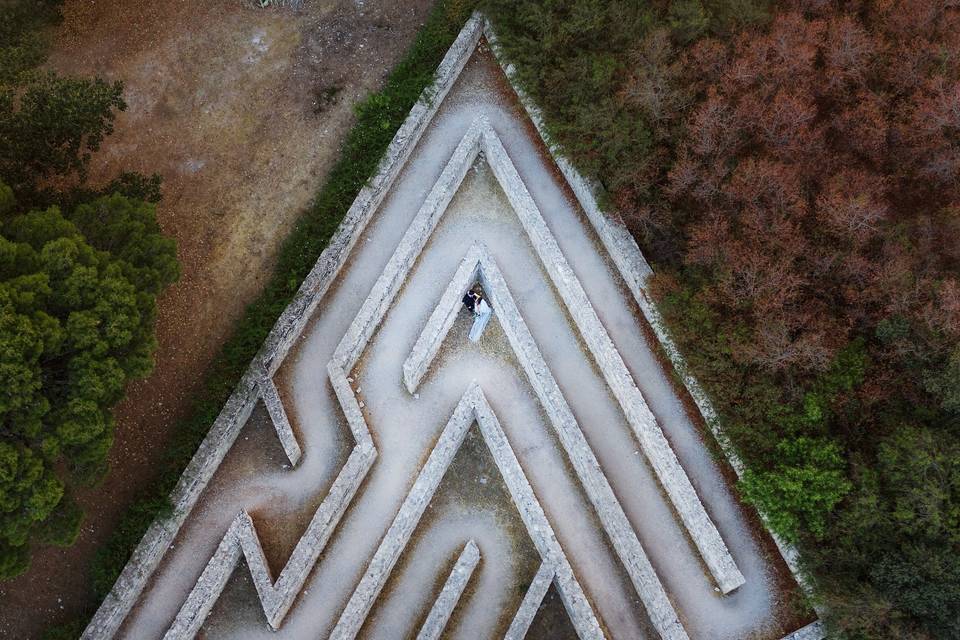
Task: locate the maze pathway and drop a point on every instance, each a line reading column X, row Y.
column 316, row 508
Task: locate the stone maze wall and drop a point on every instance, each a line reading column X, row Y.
column 472, row 408
column 241, row 541
column 449, row 596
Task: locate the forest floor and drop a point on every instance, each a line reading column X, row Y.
column 242, row 112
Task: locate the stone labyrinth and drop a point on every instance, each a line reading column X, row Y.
column 379, row 475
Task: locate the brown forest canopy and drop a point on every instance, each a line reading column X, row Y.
column 794, row 172
column 813, row 208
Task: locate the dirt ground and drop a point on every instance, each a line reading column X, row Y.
column 242, row 111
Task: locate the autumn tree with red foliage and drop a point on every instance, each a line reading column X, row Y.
column 812, row 213
column 794, row 179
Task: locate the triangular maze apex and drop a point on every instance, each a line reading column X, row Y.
column 479, row 266
column 482, row 138
column 472, row 408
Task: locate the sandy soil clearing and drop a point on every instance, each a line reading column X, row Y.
column 241, row 111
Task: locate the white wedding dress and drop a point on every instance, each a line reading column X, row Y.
column 482, row 317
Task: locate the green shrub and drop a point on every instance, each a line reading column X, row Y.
column 688, row 20
column 800, row 492
column 77, row 301
column 22, row 41
column 49, row 127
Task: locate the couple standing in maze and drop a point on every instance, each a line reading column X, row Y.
column 477, row 305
